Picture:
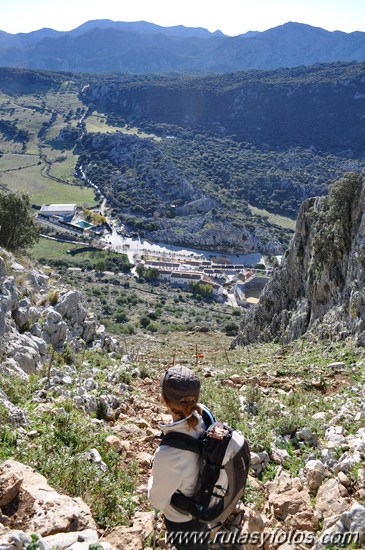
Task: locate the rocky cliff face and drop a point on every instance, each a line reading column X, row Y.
column 320, row 283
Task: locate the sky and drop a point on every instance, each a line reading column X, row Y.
column 232, row 17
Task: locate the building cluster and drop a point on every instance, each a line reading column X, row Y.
column 68, row 215
column 229, row 282
column 246, row 284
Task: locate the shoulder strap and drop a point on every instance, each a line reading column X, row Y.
column 207, row 416
column 182, row 441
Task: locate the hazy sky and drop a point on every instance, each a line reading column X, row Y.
column 230, row 16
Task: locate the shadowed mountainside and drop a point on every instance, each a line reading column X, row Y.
column 141, row 48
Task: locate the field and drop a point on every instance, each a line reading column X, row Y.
column 97, row 122
column 281, row 221
column 51, row 250
column 38, row 165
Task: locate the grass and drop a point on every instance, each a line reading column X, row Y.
column 57, row 451
column 97, row 123
column 51, row 250
column 15, row 161
column 57, row 454
column 44, row 190
column 281, row 221
column 63, row 164
column 27, row 172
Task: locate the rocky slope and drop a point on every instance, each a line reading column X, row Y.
column 320, row 283
column 307, row 474
column 318, row 505
column 39, row 315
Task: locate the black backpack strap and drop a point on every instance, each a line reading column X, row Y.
column 182, row 441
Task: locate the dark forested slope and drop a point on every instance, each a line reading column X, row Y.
column 319, row 106
column 212, row 162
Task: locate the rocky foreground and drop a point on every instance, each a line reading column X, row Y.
column 93, row 409
column 326, row 499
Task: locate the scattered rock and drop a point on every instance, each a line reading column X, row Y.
column 40, row 508
column 9, row 487
column 315, row 472
column 331, row 502
column 125, row 538
column 117, row 444
column 289, row 501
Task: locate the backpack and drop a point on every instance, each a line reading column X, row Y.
column 223, row 470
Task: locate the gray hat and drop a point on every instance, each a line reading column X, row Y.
column 180, row 383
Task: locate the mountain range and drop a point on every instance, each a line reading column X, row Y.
column 142, row 48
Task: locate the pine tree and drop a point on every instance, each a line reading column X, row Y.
column 18, row 226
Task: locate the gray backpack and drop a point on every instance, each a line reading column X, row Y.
column 224, row 463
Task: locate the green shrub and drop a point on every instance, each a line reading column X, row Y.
column 231, row 328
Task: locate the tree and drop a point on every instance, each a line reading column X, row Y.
column 150, row 274
column 18, row 226
column 201, row 290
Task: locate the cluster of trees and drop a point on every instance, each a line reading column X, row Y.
column 18, row 226
column 149, row 274
column 201, row 290
column 11, row 131
column 93, row 217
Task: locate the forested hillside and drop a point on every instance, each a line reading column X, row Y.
column 319, row 107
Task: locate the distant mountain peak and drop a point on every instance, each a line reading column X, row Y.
column 141, row 47
column 145, row 27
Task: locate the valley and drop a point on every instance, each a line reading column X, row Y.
column 89, row 324
column 186, row 185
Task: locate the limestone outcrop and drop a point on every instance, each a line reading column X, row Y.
column 38, row 314
column 32, row 505
column 319, row 285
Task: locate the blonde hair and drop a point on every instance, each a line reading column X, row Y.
column 185, row 409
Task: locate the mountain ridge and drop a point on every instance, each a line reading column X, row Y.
column 141, row 48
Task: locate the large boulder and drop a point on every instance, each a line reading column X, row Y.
column 25, row 352
column 40, row 509
column 54, row 330
column 37, row 280
column 289, row 501
column 70, row 307
column 25, row 314
column 332, row 500
column 315, row 472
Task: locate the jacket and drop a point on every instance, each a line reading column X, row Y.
column 174, row 470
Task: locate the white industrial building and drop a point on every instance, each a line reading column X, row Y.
column 65, row 211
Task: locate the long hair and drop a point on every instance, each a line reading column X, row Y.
column 185, row 409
